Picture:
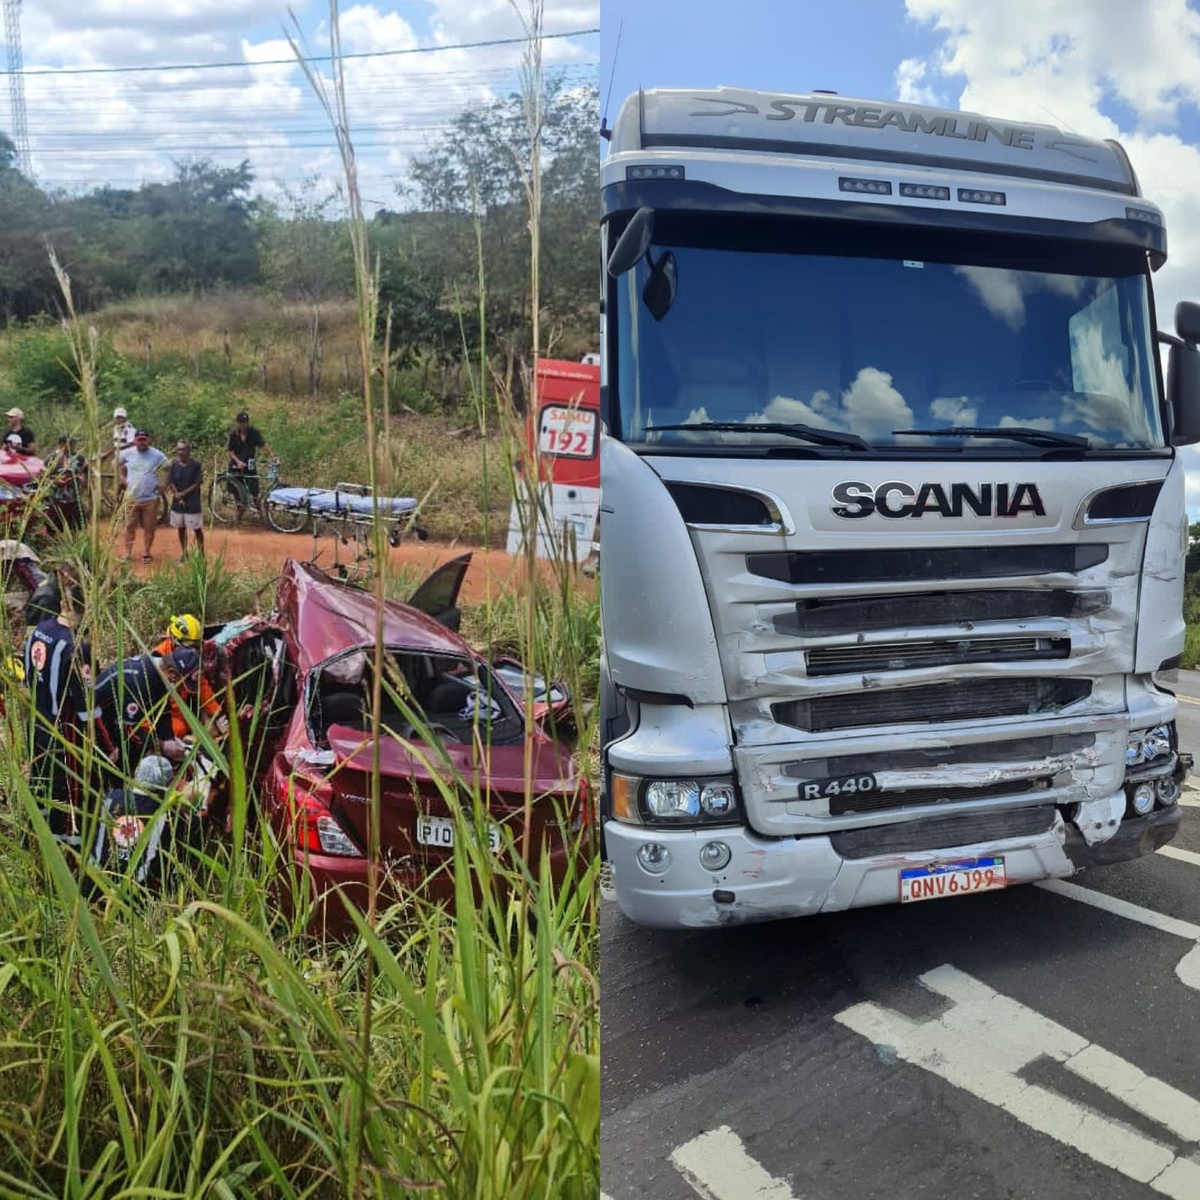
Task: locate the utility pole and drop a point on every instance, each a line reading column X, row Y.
column 16, row 86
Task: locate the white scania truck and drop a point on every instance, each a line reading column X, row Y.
column 893, row 529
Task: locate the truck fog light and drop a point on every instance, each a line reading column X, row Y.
column 717, row 800
column 1142, row 800
column 1168, row 790
column 654, row 858
column 715, row 856
column 673, row 799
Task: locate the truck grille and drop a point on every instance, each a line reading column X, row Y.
column 939, row 833
column 900, row 566
column 868, row 802
column 858, row 614
column 901, row 656
column 961, row 700
column 1013, row 750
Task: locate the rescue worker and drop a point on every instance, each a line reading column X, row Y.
column 55, row 680
column 185, row 632
column 133, row 699
column 45, row 601
column 137, row 826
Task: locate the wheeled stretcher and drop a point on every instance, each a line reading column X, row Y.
column 346, row 507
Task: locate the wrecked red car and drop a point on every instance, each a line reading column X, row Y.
column 307, row 674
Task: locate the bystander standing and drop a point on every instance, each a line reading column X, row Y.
column 142, row 467
column 185, row 478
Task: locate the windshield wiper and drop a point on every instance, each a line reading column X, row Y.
column 1016, row 433
column 807, row 433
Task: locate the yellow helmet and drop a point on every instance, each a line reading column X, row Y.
column 184, row 630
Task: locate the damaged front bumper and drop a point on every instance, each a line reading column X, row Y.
column 771, row 878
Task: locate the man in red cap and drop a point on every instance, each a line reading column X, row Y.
column 142, row 470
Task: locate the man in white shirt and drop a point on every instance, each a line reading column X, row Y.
column 142, row 470
column 122, row 439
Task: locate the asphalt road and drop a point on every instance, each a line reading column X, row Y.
column 1025, row 1043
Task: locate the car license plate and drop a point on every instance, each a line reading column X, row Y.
column 439, row 831
column 952, row 879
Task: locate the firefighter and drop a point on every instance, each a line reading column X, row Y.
column 55, row 680
column 134, row 700
column 185, row 632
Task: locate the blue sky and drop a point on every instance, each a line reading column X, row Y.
column 852, row 46
column 1124, row 69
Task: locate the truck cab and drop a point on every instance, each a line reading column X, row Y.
column 893, row 525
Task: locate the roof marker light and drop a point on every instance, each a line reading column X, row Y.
column 1145, row 215
column 875, row 187
column 654, row 171
column 924, row 191
column 980, row 196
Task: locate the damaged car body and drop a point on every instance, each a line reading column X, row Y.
column 450, row 729
column 893, row 525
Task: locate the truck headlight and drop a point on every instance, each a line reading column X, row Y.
column 674, row 801
column 1134, row 754
column 1156, row 742
column 1145, row 745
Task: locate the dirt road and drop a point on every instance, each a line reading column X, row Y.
column 491, row 571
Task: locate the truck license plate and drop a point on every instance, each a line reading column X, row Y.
column 951, row 879
column 439, row 831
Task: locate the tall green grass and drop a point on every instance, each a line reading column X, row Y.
column 202, row 1044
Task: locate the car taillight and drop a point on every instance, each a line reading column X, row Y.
column 314, row 826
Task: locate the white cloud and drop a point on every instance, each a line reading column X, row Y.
column 954, row 410
column 127, row 128
column 873, row 406
column 1075, row 65
column 910, row 83
column 1000, row 291
column 821, row 412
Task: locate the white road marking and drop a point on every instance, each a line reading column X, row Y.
column 1121, row 908
column 1188, row 802
column 1187, row 856
column 984, row 1039
column 717, row 1167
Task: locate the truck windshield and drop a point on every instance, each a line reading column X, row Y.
column 873, row 336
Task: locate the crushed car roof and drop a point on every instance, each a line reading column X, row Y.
column 326, row 617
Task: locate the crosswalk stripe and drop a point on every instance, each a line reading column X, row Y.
column 1187, row 856
column 983, row 1041
column 717, row 1167
column 1122, row 908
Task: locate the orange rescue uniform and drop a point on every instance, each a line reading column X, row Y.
column 210, row 706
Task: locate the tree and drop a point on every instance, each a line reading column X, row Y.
column 477, row 172
column 304, row 247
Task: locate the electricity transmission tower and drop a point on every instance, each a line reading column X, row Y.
column 16, row 86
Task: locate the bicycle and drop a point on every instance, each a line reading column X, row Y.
column 229, row 496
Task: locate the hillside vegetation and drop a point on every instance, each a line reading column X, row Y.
column 190, row 387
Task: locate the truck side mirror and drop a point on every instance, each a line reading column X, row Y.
column 633, row 243
column 1183, row 375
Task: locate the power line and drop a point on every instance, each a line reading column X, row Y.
column 281, row 62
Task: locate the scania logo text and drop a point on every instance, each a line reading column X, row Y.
column 897, row 499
